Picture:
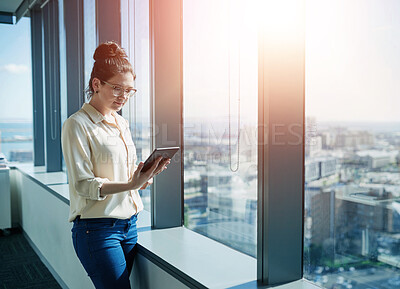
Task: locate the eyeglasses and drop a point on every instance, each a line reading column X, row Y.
column 119, row 90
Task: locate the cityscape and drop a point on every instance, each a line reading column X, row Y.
column 220, row 184
column 352, row 205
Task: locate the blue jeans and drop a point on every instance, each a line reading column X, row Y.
column 105, row 247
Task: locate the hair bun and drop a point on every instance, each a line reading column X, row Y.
column 109, row 50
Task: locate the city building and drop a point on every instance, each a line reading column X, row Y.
column 376, row 159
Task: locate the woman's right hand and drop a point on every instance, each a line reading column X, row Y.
column 140, row 178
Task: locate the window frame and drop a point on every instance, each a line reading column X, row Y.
column 281, row 145
column 50, row 13
column 280, row 202
column 166, row 92
column 280, row 128
column 73, row 16
column 37, row 86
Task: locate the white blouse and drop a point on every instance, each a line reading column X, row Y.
column 98, row 150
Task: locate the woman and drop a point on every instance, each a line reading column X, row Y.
column 103, row 180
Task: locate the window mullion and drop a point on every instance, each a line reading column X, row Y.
column 281, row 148
column 166, row 91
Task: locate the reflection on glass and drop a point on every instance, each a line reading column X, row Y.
column 220, row 121
column 135, row 30
column 63, row 69
column 352, row 174
column 90, row 41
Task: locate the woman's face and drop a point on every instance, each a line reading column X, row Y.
column 106, row 95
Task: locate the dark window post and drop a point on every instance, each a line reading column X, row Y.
column 166, row 86
column 281, row 144
column 108, row 22
column 73, row 17
column 52, row 86
column 37, row 86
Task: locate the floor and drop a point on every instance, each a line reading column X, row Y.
column 20, row 267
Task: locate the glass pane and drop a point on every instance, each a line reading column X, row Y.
column 90, row 37
column 16, row 121
column 135, row 29
column 63, row 70
column 63, row 63
column 352, row 180
column 220, row 83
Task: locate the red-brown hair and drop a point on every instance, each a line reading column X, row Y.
column 110, row 60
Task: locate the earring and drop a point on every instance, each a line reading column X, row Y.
column 97, row 91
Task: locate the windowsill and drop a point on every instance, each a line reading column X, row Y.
column 55, row 182
column 186, row 255
column 191, row 257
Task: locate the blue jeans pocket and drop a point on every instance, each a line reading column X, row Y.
column 102, row 224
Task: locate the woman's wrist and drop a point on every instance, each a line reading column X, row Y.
column 110, row 188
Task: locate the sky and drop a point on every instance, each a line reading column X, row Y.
column 15, row 71
column 352, row 61
column 220, row 59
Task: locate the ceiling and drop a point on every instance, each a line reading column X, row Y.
column 10, row 6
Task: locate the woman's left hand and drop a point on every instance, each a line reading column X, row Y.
column 148, row 183
column 160, row 168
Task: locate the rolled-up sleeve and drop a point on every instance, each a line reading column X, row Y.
column 77, row 156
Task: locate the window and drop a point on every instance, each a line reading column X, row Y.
column 63, row 64
column 16, row 130
column 63, row 69
column 352, row 180
column 135, row 40
column 220, row 86
column 90, row 38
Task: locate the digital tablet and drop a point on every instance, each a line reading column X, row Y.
column 164, row 152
